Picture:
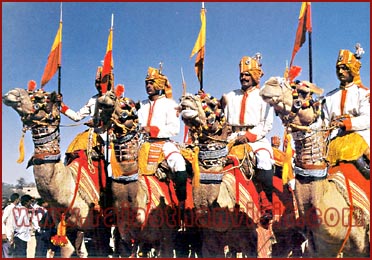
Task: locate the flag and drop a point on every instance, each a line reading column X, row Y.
column 108, row 65
column 54, row 58
column 304, row 25
column 199, row 46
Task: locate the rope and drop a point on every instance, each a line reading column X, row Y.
column 339, row 254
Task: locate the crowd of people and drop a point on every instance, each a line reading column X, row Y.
column 26, row 228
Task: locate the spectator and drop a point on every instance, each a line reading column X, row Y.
column 22, row 226
column 8, row 226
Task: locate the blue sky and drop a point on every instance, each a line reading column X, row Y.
column 147, row 33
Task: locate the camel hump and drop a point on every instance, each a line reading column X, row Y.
column 82, row 140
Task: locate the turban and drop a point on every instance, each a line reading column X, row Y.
column 275, row 141
column 161, row 82
column 347, row 58
column 251, row 65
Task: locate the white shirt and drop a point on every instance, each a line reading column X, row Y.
column 87, row 110
column 258, row 114
column 23, row 222
column 163, row 115
column 8, row 221
column 356, row 105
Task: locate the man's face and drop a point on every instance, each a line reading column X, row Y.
column 344, row 74
column 150, row 87
column 246, row 80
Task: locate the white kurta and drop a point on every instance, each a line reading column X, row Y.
column 356, row 105
column 259, row 116
column 87, row 110
column 162, row 113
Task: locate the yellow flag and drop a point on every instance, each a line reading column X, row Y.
column 54, row 58
column 199, row 46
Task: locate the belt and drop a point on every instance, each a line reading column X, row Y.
column 236, row 128
column 309, row 178
column 152, row 139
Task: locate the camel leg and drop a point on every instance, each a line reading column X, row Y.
column 67, row 250
column 81, row 250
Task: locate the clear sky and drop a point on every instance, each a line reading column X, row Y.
column 147, row 33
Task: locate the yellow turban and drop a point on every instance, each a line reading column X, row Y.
column 161, row 82
column 251, row 65
column 346, row 57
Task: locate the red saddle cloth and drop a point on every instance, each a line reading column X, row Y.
column 90, row 181
column 351, row 172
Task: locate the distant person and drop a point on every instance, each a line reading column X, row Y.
column 46, row 228
column 22, row 226
column 8, row 226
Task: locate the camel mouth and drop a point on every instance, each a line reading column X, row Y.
column 189, row 114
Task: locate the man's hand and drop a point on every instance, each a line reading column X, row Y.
column 5, row 238
column 145, row 130
column 241, row 139
column 338, row 124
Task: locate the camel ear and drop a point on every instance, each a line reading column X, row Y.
column 138, row 105
column 223, row 102
column 313, row 88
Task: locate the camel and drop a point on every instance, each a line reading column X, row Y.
column 144, row 206
column 222, row 183
column 60, row 185
column 325, row 200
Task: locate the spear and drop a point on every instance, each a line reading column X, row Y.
column 183, row 83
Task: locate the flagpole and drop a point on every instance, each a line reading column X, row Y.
column 201, row 72
column 59, row 65
column 310, row 60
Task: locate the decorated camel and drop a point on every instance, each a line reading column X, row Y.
column 144, row 201
column 223, row 191
column 333, row 199
column 72, row 192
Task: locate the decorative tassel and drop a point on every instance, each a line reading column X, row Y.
column 115, row 166
column 119, row 90
column 60, row 239
column 195, row 167
column 21, row 149
column 287, row 171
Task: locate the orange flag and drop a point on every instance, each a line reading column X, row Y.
column 108, row 65
column 304, row 25
column 199, row 46
column 54, row 58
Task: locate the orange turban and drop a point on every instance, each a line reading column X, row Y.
column 346, row 57
column 161, row 82
column 251, row 65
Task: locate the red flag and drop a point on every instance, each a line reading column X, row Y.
column 108, row 65
column 199, row 46
column 54, row 58
column 304, row 25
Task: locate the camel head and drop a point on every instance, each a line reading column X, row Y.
column 34, row 107
column 20, row 100
column 121, row 112
column 202, row 114
column 294, row 102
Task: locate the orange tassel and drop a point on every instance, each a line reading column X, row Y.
column 21, row 149
column 60, row 239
